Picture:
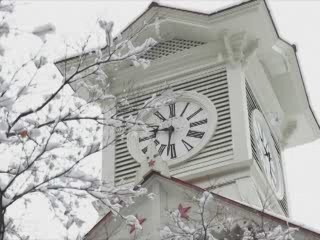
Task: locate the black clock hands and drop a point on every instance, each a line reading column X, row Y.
column 164, row 130
column 270, row 160
column 171, row 129
column 161, row 130
column 155, row 130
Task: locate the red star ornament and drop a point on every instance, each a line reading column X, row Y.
column 133, row 226
column 151, row 163
column 183, row 211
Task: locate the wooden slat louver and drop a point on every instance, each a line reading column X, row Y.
column 169, row 47
column 211, row 83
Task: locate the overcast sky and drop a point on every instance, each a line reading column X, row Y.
column 296, row 21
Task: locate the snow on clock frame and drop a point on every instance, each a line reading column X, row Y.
column 267, row 153
column 179, row 124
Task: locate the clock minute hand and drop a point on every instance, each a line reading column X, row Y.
column 171, row 129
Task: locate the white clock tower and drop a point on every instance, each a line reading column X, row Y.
column 227, row 98
column 221, row 100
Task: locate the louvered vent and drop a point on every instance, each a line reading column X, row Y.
column 169, row 47
column 252, row 105
column 211, row 83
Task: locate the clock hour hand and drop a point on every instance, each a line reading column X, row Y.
column 155, row 129
column 161, row 130
column 164, row 129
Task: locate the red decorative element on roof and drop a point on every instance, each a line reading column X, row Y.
column 151, row 163
column 133, row 227
column 183, row 211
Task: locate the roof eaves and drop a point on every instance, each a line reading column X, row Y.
column 155, row 4
column 306, row 92
column 294, row 47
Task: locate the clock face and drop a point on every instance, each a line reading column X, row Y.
column 178, row 129
column 267, row 153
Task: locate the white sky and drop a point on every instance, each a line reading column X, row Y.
column 296, row 21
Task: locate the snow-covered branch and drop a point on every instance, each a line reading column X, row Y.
column 212, row 221
column 47, row 132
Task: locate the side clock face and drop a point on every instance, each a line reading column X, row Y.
column 178, row 127
column 267, row 153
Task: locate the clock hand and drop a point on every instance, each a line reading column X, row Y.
column 270, row 159
column 162, row 130
column 171, row 129
column 155, row 130
column 274, row 178
column 270, row 166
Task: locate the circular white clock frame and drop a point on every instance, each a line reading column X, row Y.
column 267, row 153
column 181, row 124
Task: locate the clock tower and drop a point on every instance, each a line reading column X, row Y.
column 221, row 99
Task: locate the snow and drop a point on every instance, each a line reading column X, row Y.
column 3, row 136
column 205, row 199
column 40, row 62
column 52, row 145
column 43, row 144
column 80, row 174
column 4, row 29
column 5, row 201
column 2, row 49
column 42, row 30
column 105, row 25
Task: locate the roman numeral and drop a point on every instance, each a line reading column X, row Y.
column 193, row 124
column 195, row 113
column 187, row 145
column 147, row 138
column 161, row 149
column 144, row 150
column 195, row 134
column 156, row 142
column 173, row 151
column 159, row 115
column 172, row 108
column 185, row 108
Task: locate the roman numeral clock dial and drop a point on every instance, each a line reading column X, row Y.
column 175, row 130
column 268, row 158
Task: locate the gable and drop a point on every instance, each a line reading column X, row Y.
column 169, row 194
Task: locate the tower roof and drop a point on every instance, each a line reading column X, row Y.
column 252, row 18
column 247, row 24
